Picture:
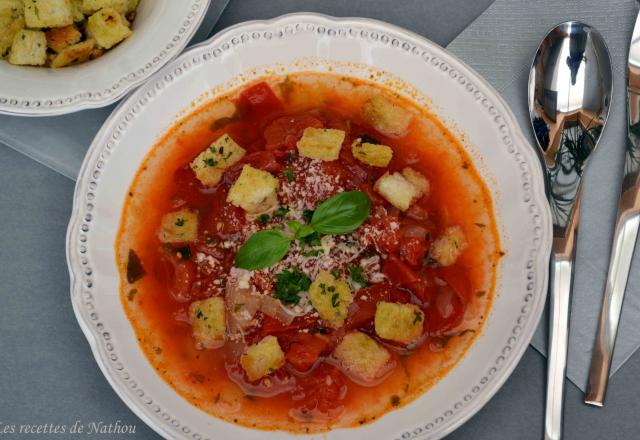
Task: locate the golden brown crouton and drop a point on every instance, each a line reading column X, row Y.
column 387, row 117
column 449, row 246
column 108, row 27
column 321, row 143
column 398, row 322
column 210, row 164
column 331, row 297
column 62, row 37
column 255, row 191
column 28, row 48
column 74, row 54
column 48, row 13
column 376, row 155
column 262, row 358
column 397, row 190
column 208, row 322
column 362, row 356
column 179, row 226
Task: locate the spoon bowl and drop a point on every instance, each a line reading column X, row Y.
column 570, row 85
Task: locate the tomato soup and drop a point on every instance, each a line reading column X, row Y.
column 307, row 252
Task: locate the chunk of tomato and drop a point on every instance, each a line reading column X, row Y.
column 179, row 275
column 258, row 101
column 401, row 274
column 271, row 326
column 264, row 160
column 284, row 132
column 323, row 392
column 448, row 302
column 413, row 250
column 304, row 350
column 385, row 235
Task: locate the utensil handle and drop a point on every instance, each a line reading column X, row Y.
column 624, row 241
column 561, row 280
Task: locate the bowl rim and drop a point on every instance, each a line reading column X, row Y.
column 175, row 43
column 538, row 193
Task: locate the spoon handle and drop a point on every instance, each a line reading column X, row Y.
column 561, row 280
column 624, row 240
column 560, row 286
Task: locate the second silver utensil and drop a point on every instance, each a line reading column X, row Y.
column 570, row 87
column 624, row 237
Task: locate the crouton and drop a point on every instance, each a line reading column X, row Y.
column 417, row 179
column 262, row 358
column 92, row 6
column 28, row 48
column 76, row 10
column 362, row 357
column 376, row 155
column 211, row 163
column 60, row 38
column 449, row 246
column 77, row 53
column 397, row 190
column 398, row 322
column 179, row 226
column 48, row 13
column 11, row 22
column 208, row 322
column 321, row 143
column 331, row 297
column 13, row 8
column 108, row 27
column 255, row 191
column 387, row 117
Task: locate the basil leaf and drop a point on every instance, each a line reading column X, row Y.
column 299, row 230
column 341, row 213
column 263, row 249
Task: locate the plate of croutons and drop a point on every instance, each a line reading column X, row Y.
column 61, row 56
column 309, row 227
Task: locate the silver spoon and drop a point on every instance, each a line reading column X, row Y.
column 570, row 85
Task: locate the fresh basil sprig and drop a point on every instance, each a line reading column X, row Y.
column 340, row 214
column 263, row 249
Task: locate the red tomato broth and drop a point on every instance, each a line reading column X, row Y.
column 160, row 319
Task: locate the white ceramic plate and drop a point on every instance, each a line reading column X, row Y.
column 459, row 96
column 162, row 28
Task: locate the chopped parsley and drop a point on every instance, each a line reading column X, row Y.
column 289, row 283
column 264, row 218
column 210, row 162
column 281, row 211
column 307, row 214
column 180, row 222
column 335, row 300
column 289, row 174
column 311, row 239
column 417, row 318
column 312, row 253
column 199, row 314
column 355, row 272
column 335, row 272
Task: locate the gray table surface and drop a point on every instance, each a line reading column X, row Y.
column 48, row 374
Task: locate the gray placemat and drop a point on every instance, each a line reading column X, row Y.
column 500, row 45
column 60, row 142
